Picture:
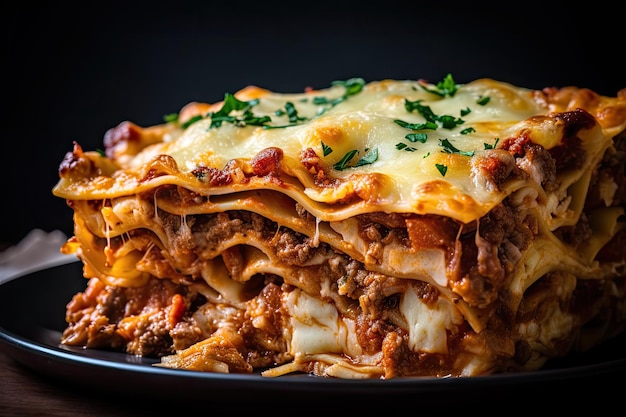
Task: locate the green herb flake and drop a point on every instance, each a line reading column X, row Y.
column 343, row 162
column 445, row 87
column 446, row 121
column 233, row 104
column 465, row 112
column 327, row 150
column 369, row 158
column 417, row 137
column 449, row 148
column 353, row 86
column 450, row 122
column 322, row 100
column 417, row 126
column 292, row 113
column 170, row 118
column 191, row 121
column 468, row 130
column 442, row 169
column 404, row 147
column 425, row 111
column 489, row 146
column 482, row 100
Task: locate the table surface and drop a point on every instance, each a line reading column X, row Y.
column 24, row 392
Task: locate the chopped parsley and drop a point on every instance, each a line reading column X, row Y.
column 450, row 148
column 353, row 86
column 170, row 118
column 233, row 104
column 327, row 150
column 417, row 137
column 404, row 147
column 482, row 100
column 416, row 126
column 445, row 87
column 244, row 116
column 343, row 162
column 433, row 121
column 446, row 121
column 291, row 112
column 489, row 146
column 442, row 169
column 370, row 157
column 191, row 121
column 173, row 118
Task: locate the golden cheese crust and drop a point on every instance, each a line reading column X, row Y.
column 365, row 230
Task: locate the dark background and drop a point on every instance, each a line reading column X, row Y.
column 71, row 73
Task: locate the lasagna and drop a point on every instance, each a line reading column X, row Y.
column 383, row 229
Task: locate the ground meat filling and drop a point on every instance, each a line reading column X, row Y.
column 135, row 320
column 158, row 319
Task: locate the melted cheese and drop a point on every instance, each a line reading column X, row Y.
column 397, row 181
column 317, row 328
column 428, row 326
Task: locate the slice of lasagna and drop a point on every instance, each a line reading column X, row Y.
column 365, row 230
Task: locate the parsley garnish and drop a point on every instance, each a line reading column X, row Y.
column 432, row 120
column 446, row 121
column 489, row 146
column 326, row 149
column 403, row 146
column 449, row 148
column 191, row 121
column 442, row 169
column 417, row 126
column 445, row 87
column 245, row 117
column 231, row 103
column 353, row 86
column 449, row 122
column 291, row 112
column 482, row 100
column 172, row 117
column 417, row 137
column 370, row 157
column 341, row 165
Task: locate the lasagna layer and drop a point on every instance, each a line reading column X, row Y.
column 366, row 230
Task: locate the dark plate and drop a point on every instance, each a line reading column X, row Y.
column 32, row 311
